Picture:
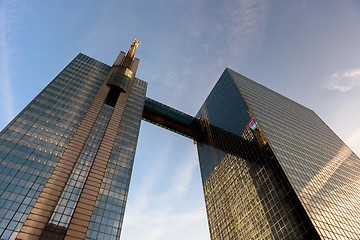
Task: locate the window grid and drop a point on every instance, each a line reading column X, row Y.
column 106, row 221
column 73, row 188
column 32, row 143
column 247, row 197
column 323, row 171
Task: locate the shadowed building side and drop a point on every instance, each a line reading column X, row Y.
column 247, row 195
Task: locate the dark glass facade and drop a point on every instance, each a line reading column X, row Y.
column 33, row 144
column 294, row 178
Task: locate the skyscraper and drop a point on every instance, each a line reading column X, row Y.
column 66, row 159
column 271, row 168
column 292, row 178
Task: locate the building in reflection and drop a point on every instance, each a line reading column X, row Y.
column 293, row 178
column 271, row 168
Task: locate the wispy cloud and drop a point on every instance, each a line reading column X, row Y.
column 158, row 210
column 5, row 76
column 183, row 176
column 344, row 81
column 150, row 179
column 167, row 224
column 215, row 35
column 246, row 25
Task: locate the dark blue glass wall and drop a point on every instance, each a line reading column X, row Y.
column 247, row 195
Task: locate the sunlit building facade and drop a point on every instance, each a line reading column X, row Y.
column 290, row 177
column 66, row 159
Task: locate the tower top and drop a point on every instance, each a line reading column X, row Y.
column 132, row 50
column 130, row 55
column 123, row 73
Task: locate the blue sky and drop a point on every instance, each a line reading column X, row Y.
column 305, row 50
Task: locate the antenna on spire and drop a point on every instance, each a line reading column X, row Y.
column 130, row 55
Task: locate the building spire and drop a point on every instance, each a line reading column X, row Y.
column 122, row 74
column 129, row 58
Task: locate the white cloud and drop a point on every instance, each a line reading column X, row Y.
column 183, row 176
column 163, row 205
column 215, row 35
column 247, row 26
column 169, row 224
column 150, row 179
column 344, row 81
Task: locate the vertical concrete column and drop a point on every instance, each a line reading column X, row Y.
column 82, row 214
column 40, row 214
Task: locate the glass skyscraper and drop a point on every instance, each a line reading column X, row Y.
column 290, row 178
column 271, row 168
column 66, row 159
